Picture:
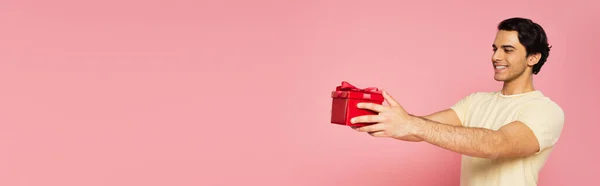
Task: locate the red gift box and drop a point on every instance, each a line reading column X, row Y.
column 345, row 98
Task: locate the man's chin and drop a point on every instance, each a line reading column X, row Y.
column 499, row 78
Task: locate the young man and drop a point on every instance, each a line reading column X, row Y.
column 505, row 137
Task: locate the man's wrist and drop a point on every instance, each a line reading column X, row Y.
column 418, row 126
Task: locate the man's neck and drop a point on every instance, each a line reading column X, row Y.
column 520, row 85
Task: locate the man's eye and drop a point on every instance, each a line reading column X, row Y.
column 507, row 51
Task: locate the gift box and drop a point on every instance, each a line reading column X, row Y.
column 344, row 100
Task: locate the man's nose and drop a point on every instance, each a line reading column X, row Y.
column 497, row 56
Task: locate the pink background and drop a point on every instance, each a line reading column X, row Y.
column 237, row 92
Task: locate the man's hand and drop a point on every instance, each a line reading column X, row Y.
column 392, row 121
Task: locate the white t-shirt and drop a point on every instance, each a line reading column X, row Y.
column 493, row 110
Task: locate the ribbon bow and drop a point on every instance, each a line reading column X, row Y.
column 347, row 86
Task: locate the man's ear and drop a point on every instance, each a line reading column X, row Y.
column 533, row 59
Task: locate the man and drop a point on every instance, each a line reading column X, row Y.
column 505, row 137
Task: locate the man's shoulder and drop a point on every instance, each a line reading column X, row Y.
column 481, row 95
column 542, row 104
column 484, row 93
column 533, row 99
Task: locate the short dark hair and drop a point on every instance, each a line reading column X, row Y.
column 531, row 35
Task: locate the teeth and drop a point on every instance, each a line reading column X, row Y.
column 500, row 67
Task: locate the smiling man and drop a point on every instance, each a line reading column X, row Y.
column 506, row 136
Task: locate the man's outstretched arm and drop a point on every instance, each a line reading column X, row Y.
column 512, row 140
column 447, row 117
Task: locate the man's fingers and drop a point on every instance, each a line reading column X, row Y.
column 368, row 119
column 378, row 134
column 371, row 128
column 390, row 100
column 372, row 106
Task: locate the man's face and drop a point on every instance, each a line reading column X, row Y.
column 510, row 57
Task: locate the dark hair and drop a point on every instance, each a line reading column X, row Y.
column 531, row 35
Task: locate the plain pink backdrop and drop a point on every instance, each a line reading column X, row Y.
column 237, row 92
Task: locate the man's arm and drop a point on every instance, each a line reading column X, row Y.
column 512, row 140
column 537, row 127
column 447, row 116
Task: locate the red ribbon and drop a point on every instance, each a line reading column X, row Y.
column 347, row 86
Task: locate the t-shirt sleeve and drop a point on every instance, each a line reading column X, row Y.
column 545, row 119
column 461, row 107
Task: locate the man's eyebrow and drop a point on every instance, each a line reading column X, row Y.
column 504, row 46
